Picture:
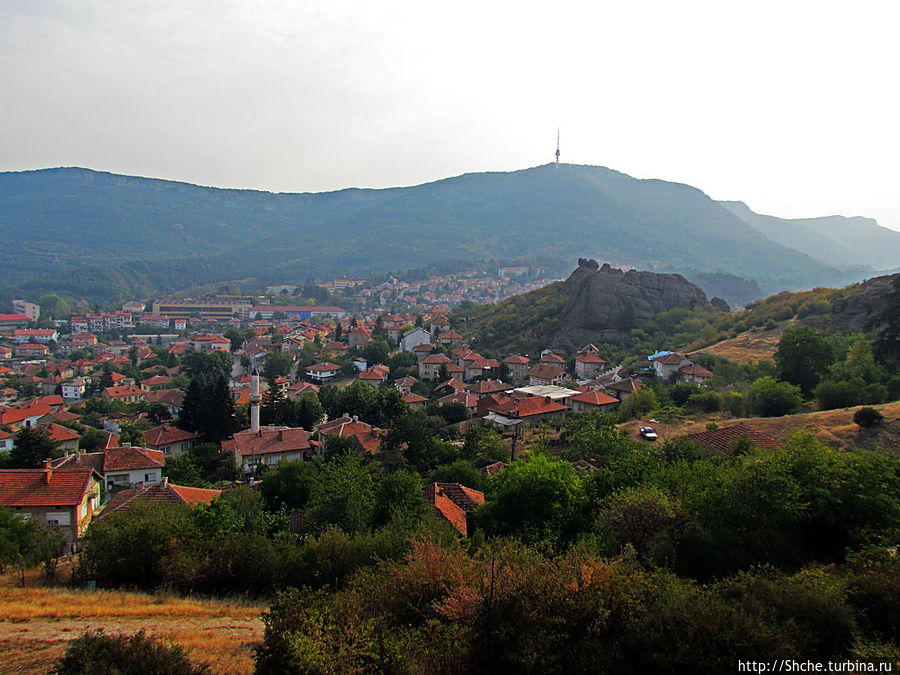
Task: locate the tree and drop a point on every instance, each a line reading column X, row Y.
column 277, row 364
column 867, row 417
column 208, row 408
column 95, row 652
column 537, row 499
column 289, row 484
column 803, row 357
column 33, row 445
column 771, row 398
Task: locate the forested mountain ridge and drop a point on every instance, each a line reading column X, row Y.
column 131, row 233
column 834, row 240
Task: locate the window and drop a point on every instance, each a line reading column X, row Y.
column 61, row 518
column 149, row 477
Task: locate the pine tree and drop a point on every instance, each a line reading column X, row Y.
column 33, row 445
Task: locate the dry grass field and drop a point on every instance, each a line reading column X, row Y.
column 36, row 622
column 748, row 346
column 834, row 427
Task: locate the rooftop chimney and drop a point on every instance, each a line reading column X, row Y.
column 48, row 472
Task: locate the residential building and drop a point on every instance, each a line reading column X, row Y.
column 323, row 372
column 454, row 502
column 268, row 446
column 65, row 498
column 40, row 335
column 120, row 467
column 362, row 436
column 168, row 439
column 430, row 366
column 161, row 492
column 29, row 309
column 591, row 401
column 517, row 366
column 413, row 338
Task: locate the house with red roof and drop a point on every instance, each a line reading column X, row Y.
column 454, row 502
column 323, row 372
column 694, row 373
column 430, row 366
column 124, row 394
column 517, row 367
column 40, row 335
column 268, row 446
column 173, row 399
column 375, row 375
column 464, row 398
column 26, row 415
column 66, row 438
column 168, row 439
column 121, row 467
column 6, row 441
column 587, row 365
column 362, row 436
column 591, row 401
column 65, row 498
column 31, row 351
column 545, row 373
column 162, row 492
column 413, row 400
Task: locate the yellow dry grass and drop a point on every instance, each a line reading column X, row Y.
column 37, row 622
column 747, row 347
column 834, row 427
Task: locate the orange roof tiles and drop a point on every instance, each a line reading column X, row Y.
column 44, row 487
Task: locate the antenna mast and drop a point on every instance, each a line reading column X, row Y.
column 557, row 146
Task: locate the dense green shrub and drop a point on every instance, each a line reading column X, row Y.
column 100, row 654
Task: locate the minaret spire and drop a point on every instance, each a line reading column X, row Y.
column 557, row 146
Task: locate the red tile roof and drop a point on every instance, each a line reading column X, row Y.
column 132, row 459
column 61, row 434
column 453, row 501
column 163, row 492
column 517, row 360
column 125, row 390
column 167, row 433
column 44, row 487
column 594, row 398
column 269, row 440
column 537, row 405
column 590, row 357
column 36, row 408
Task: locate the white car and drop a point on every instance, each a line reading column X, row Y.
column 649, row 433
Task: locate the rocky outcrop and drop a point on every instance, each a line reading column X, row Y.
column 604, row 298
column 854, row 308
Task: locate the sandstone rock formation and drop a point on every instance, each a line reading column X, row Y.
column 606, row 298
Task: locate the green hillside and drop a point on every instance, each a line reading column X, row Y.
column 99, row 235
column 835, row 240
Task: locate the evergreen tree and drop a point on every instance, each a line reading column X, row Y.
column 33, row 445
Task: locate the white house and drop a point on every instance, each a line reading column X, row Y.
column 414, row 338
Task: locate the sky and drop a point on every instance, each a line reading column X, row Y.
column 792, row 107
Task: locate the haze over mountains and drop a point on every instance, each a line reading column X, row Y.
column 102, row 236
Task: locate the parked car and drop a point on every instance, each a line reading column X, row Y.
column 648, row 433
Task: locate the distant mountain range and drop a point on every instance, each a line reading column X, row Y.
column 835, row 240
column 104, row 236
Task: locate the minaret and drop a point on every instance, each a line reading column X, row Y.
column 254, row 402
column 557, row 146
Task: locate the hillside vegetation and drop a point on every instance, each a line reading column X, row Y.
column 128, row 235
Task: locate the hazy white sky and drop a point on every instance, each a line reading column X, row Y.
column 792, row 107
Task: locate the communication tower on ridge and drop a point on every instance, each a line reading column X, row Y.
column 557, row 146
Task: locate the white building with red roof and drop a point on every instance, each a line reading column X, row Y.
column 268, row 446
